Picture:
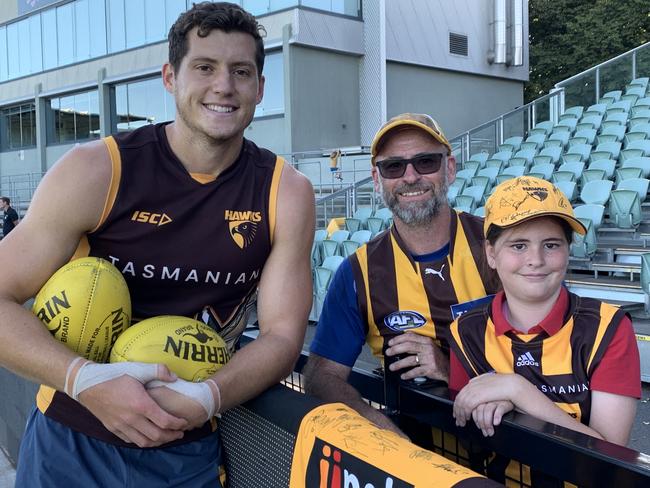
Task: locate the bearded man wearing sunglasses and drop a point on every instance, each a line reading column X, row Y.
column 401, row 291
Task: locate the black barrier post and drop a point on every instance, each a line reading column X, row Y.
column 391, row 385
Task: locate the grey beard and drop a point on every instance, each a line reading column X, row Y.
column 417, row 213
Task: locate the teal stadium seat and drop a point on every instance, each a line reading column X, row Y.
column 583, row 136
column 625, row 209
column 479, row 212
column 606, row 150
column 357, row 239
column 589, row 122
column 596, row 109
column 358, row 220
column 331, row 246
column 614, row 119
column 494, row 163
column 477, row 192
column 642, row 145
column 568, row 125
column 452, row 192
column 569, row 189
column 592, row 211
column 641, row 162
column 544, row 169
column 534, row 142
column 467, row 173
column 386, row 215
column 611, row 97
column 558, row 176
column 612, row 134
column 511, row 144
column 490, row 173
column 584, row 246
column 323, row 275
column 622, row 106
column 548, row 155
column 513, row 171
column 597, row 191
column 480, row 157
column 591, row 175
column 572, row 113
column 639, row 185
column 465, row 203
column 637, row 132
column 559, row 138
column 545, row 128
column 627, row 174
column 641, row 105
column 641, row 81
column 575, row 167
column 319, row 236
column 607, row 165
column 578, row 152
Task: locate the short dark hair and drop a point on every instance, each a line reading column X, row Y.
column 495, row 231
column 6, row 200
column 208, row 16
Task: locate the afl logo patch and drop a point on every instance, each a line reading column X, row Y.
column 403, row 320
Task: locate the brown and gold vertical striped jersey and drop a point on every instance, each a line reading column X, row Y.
column 560, row 365
column 397, row 293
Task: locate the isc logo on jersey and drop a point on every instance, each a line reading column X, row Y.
column 243, row 226
column 403, row 320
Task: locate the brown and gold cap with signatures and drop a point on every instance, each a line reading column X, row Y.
column 409, row 120
column 517, row 200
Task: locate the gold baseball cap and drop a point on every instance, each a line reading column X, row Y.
column 420, row 121
column 520, row 199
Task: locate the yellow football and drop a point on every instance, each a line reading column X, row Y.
column 86, row 305
column 189, row 348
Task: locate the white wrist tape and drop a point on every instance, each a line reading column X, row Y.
column 91, row 374
column 198, row 392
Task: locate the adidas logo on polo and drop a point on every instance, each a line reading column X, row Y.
column 527, row 359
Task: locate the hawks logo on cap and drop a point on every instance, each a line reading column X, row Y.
column 526, row 197
column 243, row 226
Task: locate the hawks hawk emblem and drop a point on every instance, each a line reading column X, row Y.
column 243, row 232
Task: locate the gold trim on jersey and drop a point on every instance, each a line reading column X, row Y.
column 559, row 347
column 44, row 397
column 498, row 350
column 116, row 175
column 464, row 273
column 606, row 314
column 273, row 195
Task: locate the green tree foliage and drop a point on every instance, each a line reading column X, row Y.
column 570, row 36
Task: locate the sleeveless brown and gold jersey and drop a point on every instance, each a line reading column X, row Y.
column 560, row 365
column 397, row 293
column 186, row 244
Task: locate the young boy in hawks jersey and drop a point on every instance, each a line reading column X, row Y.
column 536, row 347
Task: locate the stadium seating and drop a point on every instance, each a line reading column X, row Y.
column 572, row 113
column 639, row 185
column 331, row 246
column 596, row 191
column 625, row 209
column 638, row 162
column 593, row 212
column 558, row 138
column 607, row 165
column 568, row 188
column 358, row 220
column 584, row 246
column 614, row 133
column 350, row 245
column 549, row 154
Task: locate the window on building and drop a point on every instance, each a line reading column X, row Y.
column 4, row 61
column 18, row 127
column 73, row 117
column 139, row 103
column 273, row 101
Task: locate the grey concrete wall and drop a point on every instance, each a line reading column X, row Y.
column 417, row 31
column 17, row 399
column 324, row 89
column 19, row 162
column 268, row 133
column 458, row 101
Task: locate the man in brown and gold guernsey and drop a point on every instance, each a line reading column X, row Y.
column 401, row 291
column 201, row 223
